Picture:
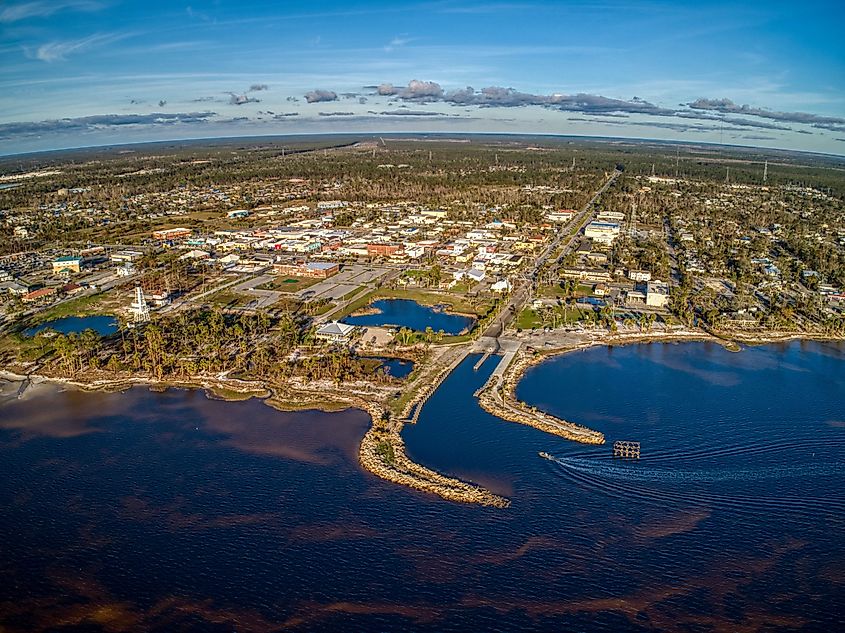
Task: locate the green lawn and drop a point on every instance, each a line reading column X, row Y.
column 81, row 306
column 289, row 284
column 530, row 318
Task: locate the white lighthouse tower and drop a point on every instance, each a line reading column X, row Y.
column 139, row 308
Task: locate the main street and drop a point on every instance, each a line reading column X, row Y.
column 525, row 289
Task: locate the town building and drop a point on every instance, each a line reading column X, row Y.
column 67, row 264
column 335, row 332
column 171, row 234
column 657, row 294
column 639, row 275
column 602, row 232
column 319, row 270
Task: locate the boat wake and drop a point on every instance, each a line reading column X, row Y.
column 631, row 480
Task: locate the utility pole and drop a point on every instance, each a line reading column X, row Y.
column 677, row 160
column 727, row 175
column 765, row 171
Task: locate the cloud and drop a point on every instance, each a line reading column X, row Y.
column 498, row 96
column 44, row 8
column 59, row 50
column 731, row 120
column 320, row 96
column 421, row 91
column 411, row 113
column 100, row 121
column 726, row 106
column 396, row 42
column 236, row 99
column 258, row 87
column 387, row 89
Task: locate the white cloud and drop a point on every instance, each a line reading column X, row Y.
column 59, row 50
column 44, row 8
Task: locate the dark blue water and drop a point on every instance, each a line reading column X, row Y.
column 169, row 511
column 397, row 367
column 410, row 314
column 102, row 325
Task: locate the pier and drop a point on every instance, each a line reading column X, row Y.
column 625, row 449
column 481, row 360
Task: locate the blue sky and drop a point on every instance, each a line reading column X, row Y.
column 87, row 72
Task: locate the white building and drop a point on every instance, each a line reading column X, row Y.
column 657, row 294
column 639, row 275
column 335, row 332
column 602, row 232
column 503, row 285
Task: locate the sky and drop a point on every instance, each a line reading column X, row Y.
column 79, row 73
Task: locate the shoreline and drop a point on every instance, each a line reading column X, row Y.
column 498, row 396
column 391, row 464
column 382, row 450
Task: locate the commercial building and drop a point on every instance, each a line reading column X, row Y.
column 171, row 234
column 602, row 232
column 67, row 264
column 383, row 250
column 335, row 332
column 319, row 270
column 657, row 294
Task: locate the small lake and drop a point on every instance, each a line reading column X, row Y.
column 101, row 324
column 410, row 314
column 396, row 367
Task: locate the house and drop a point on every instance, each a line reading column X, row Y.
column 634, row 297
column 39, row 295
column 67, row 264
column 503, row 285
column 639, row 275
column 475, row 275
column 657, row 294
column 335, row 332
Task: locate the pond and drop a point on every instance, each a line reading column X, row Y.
column 396, row 367
column 101, row 324
column 412, row 315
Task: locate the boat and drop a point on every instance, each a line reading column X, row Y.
column 545, row 455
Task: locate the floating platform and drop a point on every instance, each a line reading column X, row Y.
column 625, row 449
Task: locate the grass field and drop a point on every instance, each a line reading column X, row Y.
column 289, row 284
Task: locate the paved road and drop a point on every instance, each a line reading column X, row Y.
column 524, row 289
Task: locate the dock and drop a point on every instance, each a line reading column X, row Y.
column 481, row 360
column 625, row 449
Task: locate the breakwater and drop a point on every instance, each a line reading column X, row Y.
column 382, row 452
column 497, row 398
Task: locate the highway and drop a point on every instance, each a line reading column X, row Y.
column 524, row 291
